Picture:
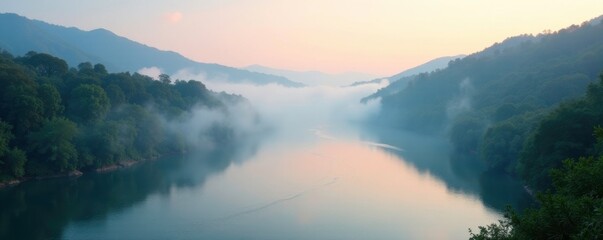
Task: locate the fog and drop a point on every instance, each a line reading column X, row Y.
column 462, row 103
column 152, row 72
column 269, row 107
column 306, row 107
column 239, row 120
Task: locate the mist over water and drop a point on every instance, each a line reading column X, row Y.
column 317, row 170
column 307, row 107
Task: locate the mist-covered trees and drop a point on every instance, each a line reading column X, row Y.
column 562, row 158
column 489, row 103
column 55, row 120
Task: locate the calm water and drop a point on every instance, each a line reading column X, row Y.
column 316, row 183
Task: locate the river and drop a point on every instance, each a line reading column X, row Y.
column 321, row 182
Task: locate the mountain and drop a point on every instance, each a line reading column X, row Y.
column 19, row 35
column 399, row 81
column 435, row 64
column 313, row 78
column 538, row 70
column 490, row 103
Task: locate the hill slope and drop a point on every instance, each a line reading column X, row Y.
column 54, row 120
column 489, row 102
column 399, row 81
column 19, row 35
column 313, row 77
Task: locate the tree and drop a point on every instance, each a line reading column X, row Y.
column 26, row 114
column 88, row 103
column 53, row 144
column 116, row 95
column 19, row 104
column 565, row 133
column 51, row 100
column 100, row 69
column 15, row 160
column 164, row 78
column 573, row 210
column 54, row 120
column 85, row 67
column 5, row 137
column 466, row 133
column 12, row 161
column 46, row 65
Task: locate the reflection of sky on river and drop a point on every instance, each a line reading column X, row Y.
column 303, row 184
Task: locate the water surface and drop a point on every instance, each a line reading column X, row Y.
column 314, row 183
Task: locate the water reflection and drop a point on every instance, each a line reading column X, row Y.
column 434, row 155
column 43, row 209
column 315, row 183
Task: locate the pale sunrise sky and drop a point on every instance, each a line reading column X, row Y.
column 380, row 37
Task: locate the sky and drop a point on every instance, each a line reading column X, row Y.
column 381, row 37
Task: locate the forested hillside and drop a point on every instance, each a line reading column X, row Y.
column 55, row 119
column 563, row 152
column 400, row 80
column 489, row 103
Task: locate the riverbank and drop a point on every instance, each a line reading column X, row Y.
column 75, row 173
column 13, row 182
column 113, row 167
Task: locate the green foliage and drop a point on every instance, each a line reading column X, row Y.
column 51, row 98
column 45, row 64
column 573, row 211
column 5, row 137
column 500, row 231
column 53, row 144
column 503, row 142
column 54, row 120
column 27, row 113
column 513, row 85
column 573, row 208
column 466, row 133
column 567, row 132
column 100, row 69
column 88, row 103
column 12, row 161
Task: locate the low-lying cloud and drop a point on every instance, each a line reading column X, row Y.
column 305, row 107
column 462, row 103
column 236, row 121
column 152, row 72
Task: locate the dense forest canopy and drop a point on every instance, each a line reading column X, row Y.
column 55, row 119
column 573, row 209
column 530, row 107
column 489, row 103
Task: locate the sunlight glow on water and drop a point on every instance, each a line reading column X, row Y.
column 303, row 187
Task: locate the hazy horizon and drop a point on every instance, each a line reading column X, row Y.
column 379, row 38
column 96, row 142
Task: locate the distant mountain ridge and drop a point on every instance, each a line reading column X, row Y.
column 432, row 65
column 399, row 81
column 19, row 35
column 506, row 47
column 313, row 77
